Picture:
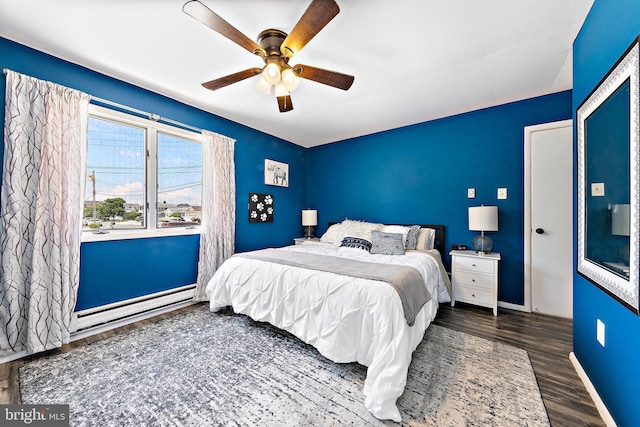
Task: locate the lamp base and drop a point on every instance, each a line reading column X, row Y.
column 482, row 244
column 309, row 232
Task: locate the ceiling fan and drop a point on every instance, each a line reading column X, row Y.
column 276, row 47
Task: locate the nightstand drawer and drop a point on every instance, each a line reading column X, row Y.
column 475, row 280
column 474, row 264
column 474, row 295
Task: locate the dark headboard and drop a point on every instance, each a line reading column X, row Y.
column 438, row 242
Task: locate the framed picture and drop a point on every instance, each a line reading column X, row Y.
column 276, row 173
column 260, row 207
column 608, row 137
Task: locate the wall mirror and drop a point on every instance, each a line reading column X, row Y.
column 608, row 138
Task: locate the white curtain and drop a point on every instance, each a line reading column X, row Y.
column 217, row 236
column 45, row 143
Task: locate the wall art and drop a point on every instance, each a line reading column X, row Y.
column 260, row 207
column 276, row 173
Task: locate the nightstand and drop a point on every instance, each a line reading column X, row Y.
column 474, row 278
column 304, row 240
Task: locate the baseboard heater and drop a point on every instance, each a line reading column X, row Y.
column 123, row 312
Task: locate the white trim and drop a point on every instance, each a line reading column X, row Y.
column 96, row 320
column 95, row 316
column 10, row 357
column 528, row 132
column 602, row 408
column 139, row 234
column 128, row 118
column 151, row 130
column 116, row 324
column 511, row 306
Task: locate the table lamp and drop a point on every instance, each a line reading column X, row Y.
column 483, row 218
column 309, row 221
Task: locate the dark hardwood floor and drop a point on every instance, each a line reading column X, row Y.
column 548, row 340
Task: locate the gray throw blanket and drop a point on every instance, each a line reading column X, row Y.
column 407, row 281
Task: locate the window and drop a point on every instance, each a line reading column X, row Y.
column 141, row 174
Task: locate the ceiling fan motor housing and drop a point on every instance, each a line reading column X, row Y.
column 270, row 40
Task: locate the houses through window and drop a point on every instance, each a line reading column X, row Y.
column 141, row 174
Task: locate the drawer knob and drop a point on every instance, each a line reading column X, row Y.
column 473, row 265
column 473, row 295
column 473, row 280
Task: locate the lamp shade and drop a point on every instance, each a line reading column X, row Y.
column 483, row 218
column 290, row 80
column 281, row 90
column 620, row 220
column 309, row 217
column 271, row 73
column 263, row 85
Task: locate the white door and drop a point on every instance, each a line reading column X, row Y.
column 550, row 220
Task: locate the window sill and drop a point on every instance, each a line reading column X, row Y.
column 109, row 235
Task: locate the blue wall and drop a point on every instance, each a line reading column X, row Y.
column 614, row 370
column 123, row 260
column 420, row 174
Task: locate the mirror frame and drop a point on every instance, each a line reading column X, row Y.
column 625, row 290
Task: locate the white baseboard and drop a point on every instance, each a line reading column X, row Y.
column 112, row 313
column 122, row 322
column 511, row 306
column 602, row 409
column 96, row 320
column 11, row 356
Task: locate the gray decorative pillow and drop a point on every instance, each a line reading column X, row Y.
column 387, row 243
column 356, row 243
column 412, row 237
column 426, row 239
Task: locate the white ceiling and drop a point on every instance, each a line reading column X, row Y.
column 413, row 60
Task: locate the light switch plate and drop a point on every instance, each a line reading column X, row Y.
column 471, row 193
column 597, row 189
column 502, row 193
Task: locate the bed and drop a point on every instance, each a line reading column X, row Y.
column 319, row 292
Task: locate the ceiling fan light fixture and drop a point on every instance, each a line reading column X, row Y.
column 275, row 48
column 290, row 80
column 264, row 86
column 281, row 90
column 271, row 73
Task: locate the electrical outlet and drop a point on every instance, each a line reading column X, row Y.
column 600, row 332
column 471, row 193
column 502, row 193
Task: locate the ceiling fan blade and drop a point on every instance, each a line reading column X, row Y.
column 202, row 13
column 316, row 17
column 231, row 78
column 327, row 77
column 284, row 103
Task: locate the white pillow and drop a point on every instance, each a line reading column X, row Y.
column 426, row 239
column 397, row 229
column 332, row 234
column 361, row 229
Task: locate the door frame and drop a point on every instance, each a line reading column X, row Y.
column 528, row 132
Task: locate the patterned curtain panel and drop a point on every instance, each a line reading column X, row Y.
column 45, row 140
column 217, row 236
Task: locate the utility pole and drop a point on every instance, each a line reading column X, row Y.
column 92, row 178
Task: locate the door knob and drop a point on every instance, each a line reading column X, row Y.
column 540, row 230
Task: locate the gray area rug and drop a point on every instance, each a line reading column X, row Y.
column 208, row 369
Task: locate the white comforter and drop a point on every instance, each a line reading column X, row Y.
column 345, row 318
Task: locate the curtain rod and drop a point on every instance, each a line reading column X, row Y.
column 150, row 116
column 154, row 117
